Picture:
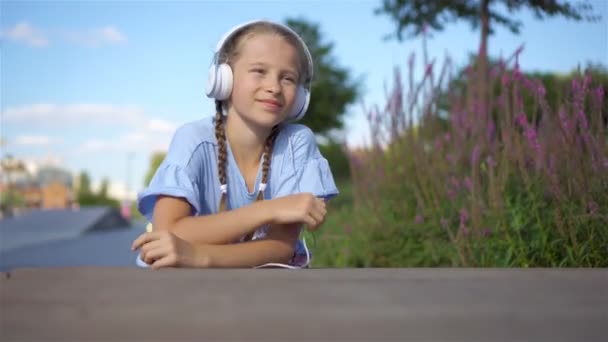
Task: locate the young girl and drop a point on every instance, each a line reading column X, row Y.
column 235, row 192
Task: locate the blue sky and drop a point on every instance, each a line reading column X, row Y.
column 88, row 84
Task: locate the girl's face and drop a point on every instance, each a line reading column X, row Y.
column 265, row 79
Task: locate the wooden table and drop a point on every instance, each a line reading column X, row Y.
column 95, row 304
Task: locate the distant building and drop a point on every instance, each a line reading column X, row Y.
column 50, row 187
column 56, row 188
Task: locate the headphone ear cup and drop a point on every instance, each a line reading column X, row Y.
column 225, row 73
column 211, row 89
column 219, row 82
column 300, row 104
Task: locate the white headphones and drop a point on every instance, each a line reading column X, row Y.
column 219, row 81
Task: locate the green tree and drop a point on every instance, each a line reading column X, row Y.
column 11, row 199
column 414, row 16
column 86, row 196
column 84, row 186
column 155, row 161
column 103, row 189
column 332, row 88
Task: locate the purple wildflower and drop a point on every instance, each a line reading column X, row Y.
column 505, row 79
column 451, row 194
column 491, row 130
column 540, row 89
column 454, row 182
column 475, row 155
column 582, row 120
column 419, row 219
column 592, row 207
column 490, row 161
column 563, row 118
column 521, row 120
column 464, row 216
column 451, row 158
column 586, row 81
column 532, row 138
column 599, row 92
column 468, row 183
column 424, row 28
column 494, row 72
column 438, row 143
column 429, row 69
column 410, row 60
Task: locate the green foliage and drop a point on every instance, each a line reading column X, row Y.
column 332, row 89
column 11, row 199
column 413, row 17
column 337, row 158
column 155, row 160
column 86, row 197
column 84, row 188
column 525, row 186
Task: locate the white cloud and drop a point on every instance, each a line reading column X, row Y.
column 35, row 140
column 44, row 114
column 111, row 34
column 152, row 135
column 24, row 32
column 107, row 35
column 99, row 145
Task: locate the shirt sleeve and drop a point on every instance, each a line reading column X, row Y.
column 307, row 169
column 169, row 180
column 175, row 176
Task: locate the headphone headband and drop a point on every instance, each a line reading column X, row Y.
column 219, row 81
column 242, row 26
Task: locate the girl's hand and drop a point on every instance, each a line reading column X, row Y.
column 165, row 249
column 298, row 208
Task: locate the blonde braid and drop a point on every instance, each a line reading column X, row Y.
column 220, row 136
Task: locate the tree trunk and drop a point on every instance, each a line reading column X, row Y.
column 485, row 30
column 482, row 62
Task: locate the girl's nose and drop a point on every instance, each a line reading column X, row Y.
column 273, row 85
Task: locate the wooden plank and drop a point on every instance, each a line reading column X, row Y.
column 315, row 304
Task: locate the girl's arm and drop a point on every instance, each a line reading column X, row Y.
column 165, row 249
column 174, row 215
column 278, row 246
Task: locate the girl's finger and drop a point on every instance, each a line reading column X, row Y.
column 311, row 221
column 316, row 215
column 143, row 239
column 166, row 261
column 155, row 254
column 320, row 203
column 145, row 248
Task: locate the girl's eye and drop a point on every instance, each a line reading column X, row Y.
column 290, row 79
column 258, row 71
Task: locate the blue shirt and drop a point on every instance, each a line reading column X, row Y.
column 190, row 171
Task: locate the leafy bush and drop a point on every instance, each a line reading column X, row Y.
column 464, row 176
